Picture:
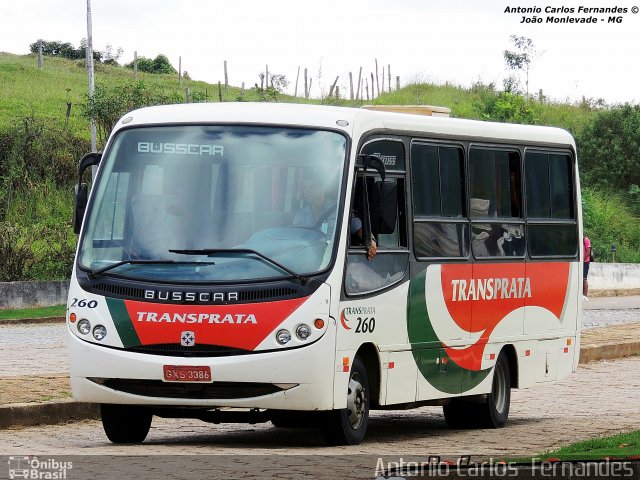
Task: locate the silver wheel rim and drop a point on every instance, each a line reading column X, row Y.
column 500, row 388
column 356, row 401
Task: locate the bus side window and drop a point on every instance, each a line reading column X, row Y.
column 497, row 228
column 440, row 225
column 390, row 263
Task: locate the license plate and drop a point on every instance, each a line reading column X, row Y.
column 187, row 373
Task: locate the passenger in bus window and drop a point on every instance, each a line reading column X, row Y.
column 355, row 228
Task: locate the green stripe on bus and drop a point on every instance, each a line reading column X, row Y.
column 123, row 323
column 456, row 379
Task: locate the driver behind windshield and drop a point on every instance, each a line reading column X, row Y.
column 319, row 211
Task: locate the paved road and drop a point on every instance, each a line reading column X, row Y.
column 41, row 349
column 600, row 312
column 600, row 399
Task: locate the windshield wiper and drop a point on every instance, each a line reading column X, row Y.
column 95, row 273
column 214, row 251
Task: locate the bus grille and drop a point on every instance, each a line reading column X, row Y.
column 244, row 296
column 197, row 391
column 177, row 350
column 120, row 290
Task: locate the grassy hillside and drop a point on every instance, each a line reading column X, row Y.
column 27, row 91
column 44, row 93
column 40, row 148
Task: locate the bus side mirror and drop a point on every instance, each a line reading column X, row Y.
column 374, row 162
column 80, row 205
column 386, row 208
column 82, row 190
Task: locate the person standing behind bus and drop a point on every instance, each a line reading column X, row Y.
column 588, row 256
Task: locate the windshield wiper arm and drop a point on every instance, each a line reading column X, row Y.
column 95, row 273
column 214, row 251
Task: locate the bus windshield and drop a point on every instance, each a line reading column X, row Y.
column 215, row 203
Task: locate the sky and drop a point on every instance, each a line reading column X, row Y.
column 456, row 41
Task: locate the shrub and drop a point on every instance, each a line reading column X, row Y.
column 608, row 148
column 109, row 104
column 160, row 64
column 35, row 152
column 607, row 221
column 16, row 253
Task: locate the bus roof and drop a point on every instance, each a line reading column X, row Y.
column 341, row 118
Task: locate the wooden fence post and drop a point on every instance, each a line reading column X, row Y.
column 135, row 64
column 40, row 62
column 295, row 92
column 226, row 77
column 389, row 76
column 306, row 91
column 377, row 80
column 219, row 90
column 350, row 86
column 359, row 90
column 398, row 82
column 180, row 70
column 373, row 87
column 333, row 86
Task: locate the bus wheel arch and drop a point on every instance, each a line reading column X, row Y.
column 369, row 355
column 512, row 358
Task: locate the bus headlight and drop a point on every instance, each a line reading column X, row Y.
column 84, row 327
column 303, row 331
column 99, row 332
column 283, row 336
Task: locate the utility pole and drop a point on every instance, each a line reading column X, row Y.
column 92, row 84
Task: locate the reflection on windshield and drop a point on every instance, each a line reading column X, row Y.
column 162, row 190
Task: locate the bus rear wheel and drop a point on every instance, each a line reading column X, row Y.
column 349, row 425
column 125, row 423
column 493, row 411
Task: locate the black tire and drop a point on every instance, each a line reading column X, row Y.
column 458, row 413
column 125, row 423
column 493, row 412
column 348, row 426
column 295, row 419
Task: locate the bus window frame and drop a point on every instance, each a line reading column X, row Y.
column 82, row 271
column 464, row 220
column 403, row 207
column 552, row 221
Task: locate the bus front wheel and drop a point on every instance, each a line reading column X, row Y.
column 125, row 423
column 349, row 425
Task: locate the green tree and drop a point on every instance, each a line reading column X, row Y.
column 609, row 148
column 505, row 106
column 521, row 59
column 65, row 50
column 160, row 64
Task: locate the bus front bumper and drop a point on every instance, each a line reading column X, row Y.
column 295, row 379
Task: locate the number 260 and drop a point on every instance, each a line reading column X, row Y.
column 83, row 303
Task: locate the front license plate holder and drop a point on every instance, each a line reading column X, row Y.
column 187, row 373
